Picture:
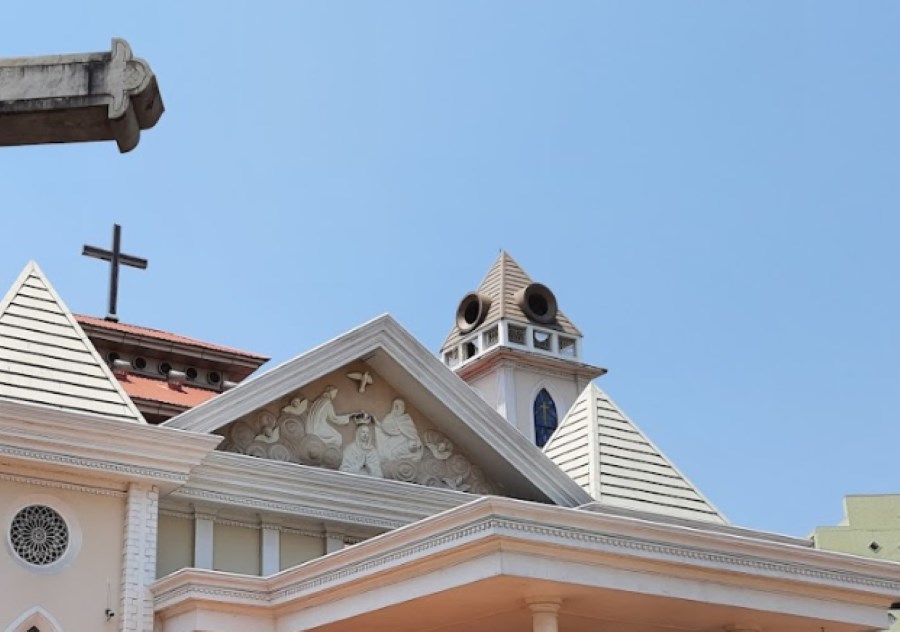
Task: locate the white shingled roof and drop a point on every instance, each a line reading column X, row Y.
column 608, row 455
column 47, row 360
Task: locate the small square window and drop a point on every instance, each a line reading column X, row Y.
column 516, row 334
column 567, row 346
column 542, row 340
column 491, row 337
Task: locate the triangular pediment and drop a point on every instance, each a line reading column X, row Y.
column 616, row 463
column 47, row 360
column 396, row 413
column 354, row 420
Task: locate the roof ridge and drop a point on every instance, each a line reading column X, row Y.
column 97, row 321
column 503, row 256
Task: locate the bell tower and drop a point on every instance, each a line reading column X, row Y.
column 516, row 348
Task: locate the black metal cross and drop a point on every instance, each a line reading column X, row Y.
column 115, row 257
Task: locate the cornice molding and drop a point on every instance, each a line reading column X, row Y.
column 524, row 359
column 42, row 482
column 244, row 482
column 93, row 464
column 112, row 447
column 496, row 525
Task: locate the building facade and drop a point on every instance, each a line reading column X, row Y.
column 367, row 484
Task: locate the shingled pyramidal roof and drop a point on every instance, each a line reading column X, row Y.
column 607, row 454
column 500, row 284
column 47, row 360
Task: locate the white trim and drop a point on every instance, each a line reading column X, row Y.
column 72, row 524
column 42, row 482
column 36, row 616
column 83, row 441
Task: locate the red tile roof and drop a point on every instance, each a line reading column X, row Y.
column 158, row 390
column 162, row 335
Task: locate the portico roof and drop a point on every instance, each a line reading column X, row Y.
column 474, row 568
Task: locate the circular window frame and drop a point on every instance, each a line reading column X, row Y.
column 68, row 515
column 480, row 302
column 541, row 292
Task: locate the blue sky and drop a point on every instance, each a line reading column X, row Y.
column 710, row 189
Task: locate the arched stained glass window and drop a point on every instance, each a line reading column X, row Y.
column 544, row 417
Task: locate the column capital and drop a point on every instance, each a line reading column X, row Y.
column 544, row 604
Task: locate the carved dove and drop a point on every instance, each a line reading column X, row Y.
column 364, row 379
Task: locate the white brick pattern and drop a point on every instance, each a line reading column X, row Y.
column 139, row 558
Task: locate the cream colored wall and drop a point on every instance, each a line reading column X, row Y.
column 175, row 544
column 297, row 548
column 77, row 595
column 488, row 386
column 563, row 390
column 868, row 519
column 236, row 549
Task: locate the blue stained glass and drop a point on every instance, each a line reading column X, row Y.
column 544, row 417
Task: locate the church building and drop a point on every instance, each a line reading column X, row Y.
column 150, row 483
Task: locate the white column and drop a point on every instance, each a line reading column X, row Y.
column 544, row 613
column 333, row 541
column 203, row 539
column 271, row 548
column 139, row 558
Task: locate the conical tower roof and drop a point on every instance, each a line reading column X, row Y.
column 500, row 285
column 47, row 360
column 616, row 463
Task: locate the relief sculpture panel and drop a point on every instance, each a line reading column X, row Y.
column 360, row 427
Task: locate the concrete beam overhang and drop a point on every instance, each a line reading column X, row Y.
column 80, row 97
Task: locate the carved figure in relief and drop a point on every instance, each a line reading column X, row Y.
column 439, row 445
column 297, row 407
column 322, row 414
column 270, row 431
column 361, row 456
column 363, row 378
column 396, row 435
column 456, row 483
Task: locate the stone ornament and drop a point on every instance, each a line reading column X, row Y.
column 361, row 456
column 364, row 378
column 397, row 436
column 359, row 442
column 80, row 97
column 321, row 415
